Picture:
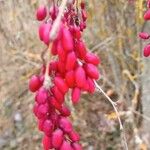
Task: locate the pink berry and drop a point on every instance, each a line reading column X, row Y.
column 76, row 92
column 34, row 83
column 65, row 124
column 65, row 111
column 74, row 136
column 42, row 110
column 42, row 96
column 144, row 35
column 91, row 87
column 48, row 127
column 46, row 32
column 57, row 138
column 41, row 13
column 66, row 146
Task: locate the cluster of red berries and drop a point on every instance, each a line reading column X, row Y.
column 145, row 35
column 71, row 67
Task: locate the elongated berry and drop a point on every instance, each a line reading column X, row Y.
column 91, row 87
column 71, row 61
column 65, row 124
column 42, row 96
column 57, row 94
column 80, row 77
column 34, row 83
column 67, row 41
column 74, row 136
column 147, row 15
column 81, row 49
column 76, row 92
column 41, row 13
column 40, row 124
column 92, row 58
column 46, row 32
column 48, row 127
column 57, row 138
column 146, row 51
column 65, row 111
column 47, row 142
column 61, row 53
column 70, row 78
column 55, row 103
column 92, row 71
column 60, row 83
column 144, row 35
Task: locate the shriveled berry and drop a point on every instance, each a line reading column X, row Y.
column 74, row 136
column 144, row 35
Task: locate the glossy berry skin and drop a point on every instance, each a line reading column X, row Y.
column 41, row 13
column 34, row 83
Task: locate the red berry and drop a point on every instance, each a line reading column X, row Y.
column 71, row 61
column 70, row 78
column 92, row 58
column 147, row 15
column 67, row 41
column 81, row 49
column 60, row 83
column 92, row 71
column 41, row 13
column 147, row 50
column 74, row 136
column 47, row 142
column 34, row 83
column 57, row 138
column 80, row 77
column 76, row 92
column 46, row 32
column 65, row 111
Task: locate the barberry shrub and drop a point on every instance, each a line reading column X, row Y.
column 145, row 35
column 71, row 68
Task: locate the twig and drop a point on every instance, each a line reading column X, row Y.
column 56, row 24
column 114, row 106
column 113, row 103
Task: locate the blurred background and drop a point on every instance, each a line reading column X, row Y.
column 112, row 29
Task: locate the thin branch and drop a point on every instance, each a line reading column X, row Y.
column 124, row 140
column 112, row 102
column 56, row 24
